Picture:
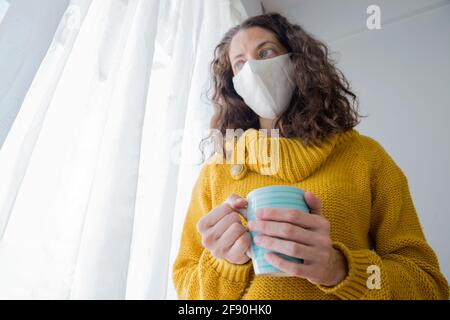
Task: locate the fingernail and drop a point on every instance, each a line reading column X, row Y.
column 251, row 224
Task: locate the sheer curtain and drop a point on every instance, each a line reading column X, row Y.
column 4, row 5
column 97, row 169
column 26, row 32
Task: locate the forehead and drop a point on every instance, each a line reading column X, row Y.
column 247, row 39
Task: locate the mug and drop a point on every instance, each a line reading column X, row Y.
column 271, row 197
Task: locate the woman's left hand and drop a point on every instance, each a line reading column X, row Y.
column 301, row 235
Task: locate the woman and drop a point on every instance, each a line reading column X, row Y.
column 362, row 240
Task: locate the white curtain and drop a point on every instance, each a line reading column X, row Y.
column 4, row 5
column 97, row 169
column 26, row 32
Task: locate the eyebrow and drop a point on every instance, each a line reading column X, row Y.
column 257, row 47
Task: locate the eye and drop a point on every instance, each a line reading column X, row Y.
column 266, row 53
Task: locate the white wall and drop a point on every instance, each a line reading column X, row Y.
column 401, row 74
column 252, row 7
column 26, row 32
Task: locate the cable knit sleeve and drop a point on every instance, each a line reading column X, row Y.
column 407, row 266
column 197, row 274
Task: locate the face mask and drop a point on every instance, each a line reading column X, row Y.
column 266, row 85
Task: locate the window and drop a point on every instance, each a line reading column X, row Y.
column 4, row 6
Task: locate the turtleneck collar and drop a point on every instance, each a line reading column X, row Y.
column 288, row 159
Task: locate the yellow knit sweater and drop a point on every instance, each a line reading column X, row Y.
column 364, row 195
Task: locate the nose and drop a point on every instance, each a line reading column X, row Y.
column 251, row 56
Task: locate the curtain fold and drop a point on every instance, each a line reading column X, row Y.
column 26, row 33
column 97, row 168
column 222, row 15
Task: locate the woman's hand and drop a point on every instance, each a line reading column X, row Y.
column 223, row 233
column 303, row 235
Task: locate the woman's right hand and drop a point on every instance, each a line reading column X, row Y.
column 223, row 233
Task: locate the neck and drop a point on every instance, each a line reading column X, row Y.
column 266, row 123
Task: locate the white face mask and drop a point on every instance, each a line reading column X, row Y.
column 266, row 85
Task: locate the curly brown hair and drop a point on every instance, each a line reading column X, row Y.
column 322, row 103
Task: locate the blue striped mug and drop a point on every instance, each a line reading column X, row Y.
column 271, row 197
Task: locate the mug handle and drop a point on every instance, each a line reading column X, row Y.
column 243, row 212
column 249, row 252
